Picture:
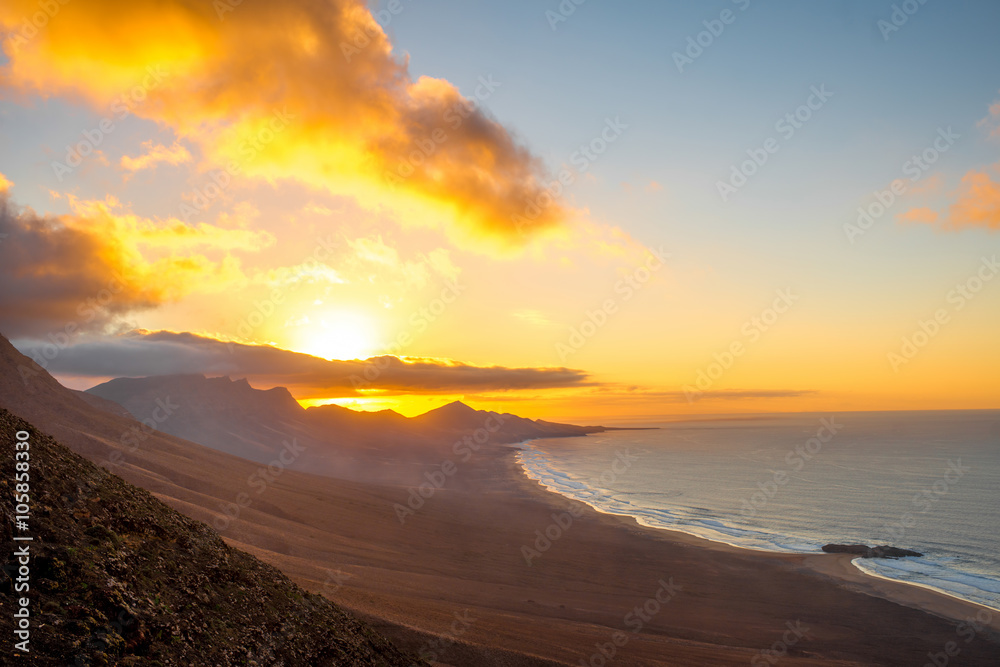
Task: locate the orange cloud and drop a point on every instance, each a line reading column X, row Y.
column 87, row 270
column 307, row 90
column 175, row 154
column 922, row 215
column 977, row 205
column 927, row 186
column 992, row 121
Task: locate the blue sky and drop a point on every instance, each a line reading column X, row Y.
column 687, row 129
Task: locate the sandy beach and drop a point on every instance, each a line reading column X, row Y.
column 461, row 556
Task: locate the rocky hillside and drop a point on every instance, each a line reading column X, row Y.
column 117, row 577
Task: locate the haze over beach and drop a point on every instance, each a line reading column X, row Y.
column 565, row 333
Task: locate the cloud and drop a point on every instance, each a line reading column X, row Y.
column 921, row 215
column 740, row 394
column 719, row 394
column 532, row 316
column 976, row 205
column 927, row 186
column 87, row 270
column 142, row 353
column 175, row 154
column 991, row 123
column 306, row 89
column 370, row 260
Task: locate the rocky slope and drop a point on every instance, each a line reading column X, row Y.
column 117, row 577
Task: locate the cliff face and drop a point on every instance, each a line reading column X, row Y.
column 117, row 577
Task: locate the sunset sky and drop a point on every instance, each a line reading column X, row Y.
column 550, row 213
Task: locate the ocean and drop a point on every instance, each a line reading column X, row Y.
column 927, row 481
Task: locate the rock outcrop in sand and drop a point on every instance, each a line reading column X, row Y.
column 883, row 551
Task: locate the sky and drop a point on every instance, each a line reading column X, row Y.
column 555, row 209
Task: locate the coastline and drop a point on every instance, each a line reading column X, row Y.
column 458, row 562
column 837, row 567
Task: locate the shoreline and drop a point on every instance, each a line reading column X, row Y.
column 839, row 567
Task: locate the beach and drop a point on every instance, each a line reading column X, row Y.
column 461, row 556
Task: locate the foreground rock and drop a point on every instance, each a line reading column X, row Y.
column 869, row 552
column 117, row 577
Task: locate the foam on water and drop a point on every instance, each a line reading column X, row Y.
column 936, row 574
column 541, row 469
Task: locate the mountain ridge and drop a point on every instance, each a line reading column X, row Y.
column 234, row 417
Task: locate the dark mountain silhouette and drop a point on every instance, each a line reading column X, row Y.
column 233, row 417
column 103, row 404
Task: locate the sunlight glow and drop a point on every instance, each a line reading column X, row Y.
column 339, row 334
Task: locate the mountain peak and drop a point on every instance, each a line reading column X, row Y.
column 451, row 416
column 457, row 406
column 452, row 410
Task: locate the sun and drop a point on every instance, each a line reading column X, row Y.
column 339, row 334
